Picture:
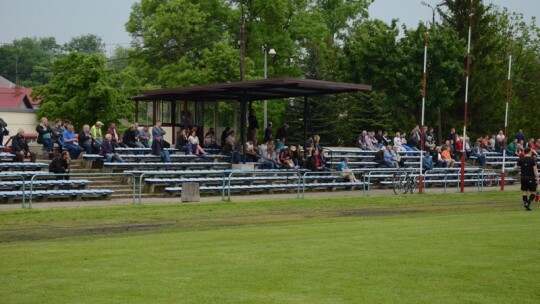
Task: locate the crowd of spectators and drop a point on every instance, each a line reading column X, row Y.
column 274, row 152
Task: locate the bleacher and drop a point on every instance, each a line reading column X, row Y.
column 18, row 179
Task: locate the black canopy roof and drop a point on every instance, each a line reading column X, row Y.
column 252, row 90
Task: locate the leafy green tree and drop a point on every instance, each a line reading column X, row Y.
column 27, row 61
column 87, row 44
column 84, row 90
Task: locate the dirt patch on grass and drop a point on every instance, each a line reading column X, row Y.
column 375, row 212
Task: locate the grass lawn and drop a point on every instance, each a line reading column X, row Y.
column 452, row 248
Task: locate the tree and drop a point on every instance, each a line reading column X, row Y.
column 84, row 90
column 27, row 61
column 87, row 44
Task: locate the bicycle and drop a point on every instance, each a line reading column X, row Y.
column 403, row 182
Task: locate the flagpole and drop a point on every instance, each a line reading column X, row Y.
column 422, row 133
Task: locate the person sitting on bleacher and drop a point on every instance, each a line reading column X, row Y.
column 315, row 162
column 210, row 140
column 182, row 143
column 97, row 135
column 285, row 158
column 115, row 138
column 86, row 140
column 447, row 157
column 108, row 150
column 266, row 158
column 427, row 162
column 158, row 149
column 396, row 157
column 346, row 172
column 298, row 156
column 250, row 152
column 70, row 142
column 145, row 136
column 57, row 133
column 131, row 138
column 45, row 135
column 480, row 153
column 389, row 160
column 20, row 147
column 195, row 147
column 230, row 142
column 60, row 165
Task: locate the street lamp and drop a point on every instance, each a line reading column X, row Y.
column 433, row 9
column 267, row 50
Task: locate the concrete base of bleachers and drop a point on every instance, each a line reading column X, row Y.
column 244, row 167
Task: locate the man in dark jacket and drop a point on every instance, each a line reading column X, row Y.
column 60, row 165
column 158, row 148
column 45, row 135
column 20, row 147
column 131, row 137
column 108, row 150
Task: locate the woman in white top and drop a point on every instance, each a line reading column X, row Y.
column 194, row 143
column 397, row 142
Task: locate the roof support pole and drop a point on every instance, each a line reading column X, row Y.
column 243, row 113
column 305, row 125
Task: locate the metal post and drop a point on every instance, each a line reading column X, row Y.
column 265, row 50
column 503, row 174
column 305, row 125
column 462, row 188
column 422, row 134
column 243, row 135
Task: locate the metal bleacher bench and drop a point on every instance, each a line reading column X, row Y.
column 22, row 166
column 157, row 165
column 70, row 193
column 132, row 150
column 17, row 184
column 270, row 187
column 254, row 181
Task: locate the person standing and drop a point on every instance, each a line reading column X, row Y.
column 529, row 177
column 3, row 131
column 283, row 132
column 253, row 126
column 268, row 132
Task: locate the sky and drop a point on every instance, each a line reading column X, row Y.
column 64, row 19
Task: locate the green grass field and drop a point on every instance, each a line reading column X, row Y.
column 472, row 248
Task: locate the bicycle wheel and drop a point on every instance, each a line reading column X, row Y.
column 397, row 184
column 412, row 183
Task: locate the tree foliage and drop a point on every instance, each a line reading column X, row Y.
column 84, row 91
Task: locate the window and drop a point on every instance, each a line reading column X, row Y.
column 145, row 113
column 164, row 111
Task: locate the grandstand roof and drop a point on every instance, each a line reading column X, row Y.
column 276, row 88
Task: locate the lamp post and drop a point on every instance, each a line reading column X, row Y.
column 433, row 10
column 468, row 70
column 267, row 50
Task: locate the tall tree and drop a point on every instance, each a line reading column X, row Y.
column 87, row 44
column 27, row 61
column 84, row 90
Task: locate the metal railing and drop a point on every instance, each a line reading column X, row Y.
column 34, row 178
column 227, row 181
column 179, row 173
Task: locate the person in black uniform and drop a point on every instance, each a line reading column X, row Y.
column 529, row 177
